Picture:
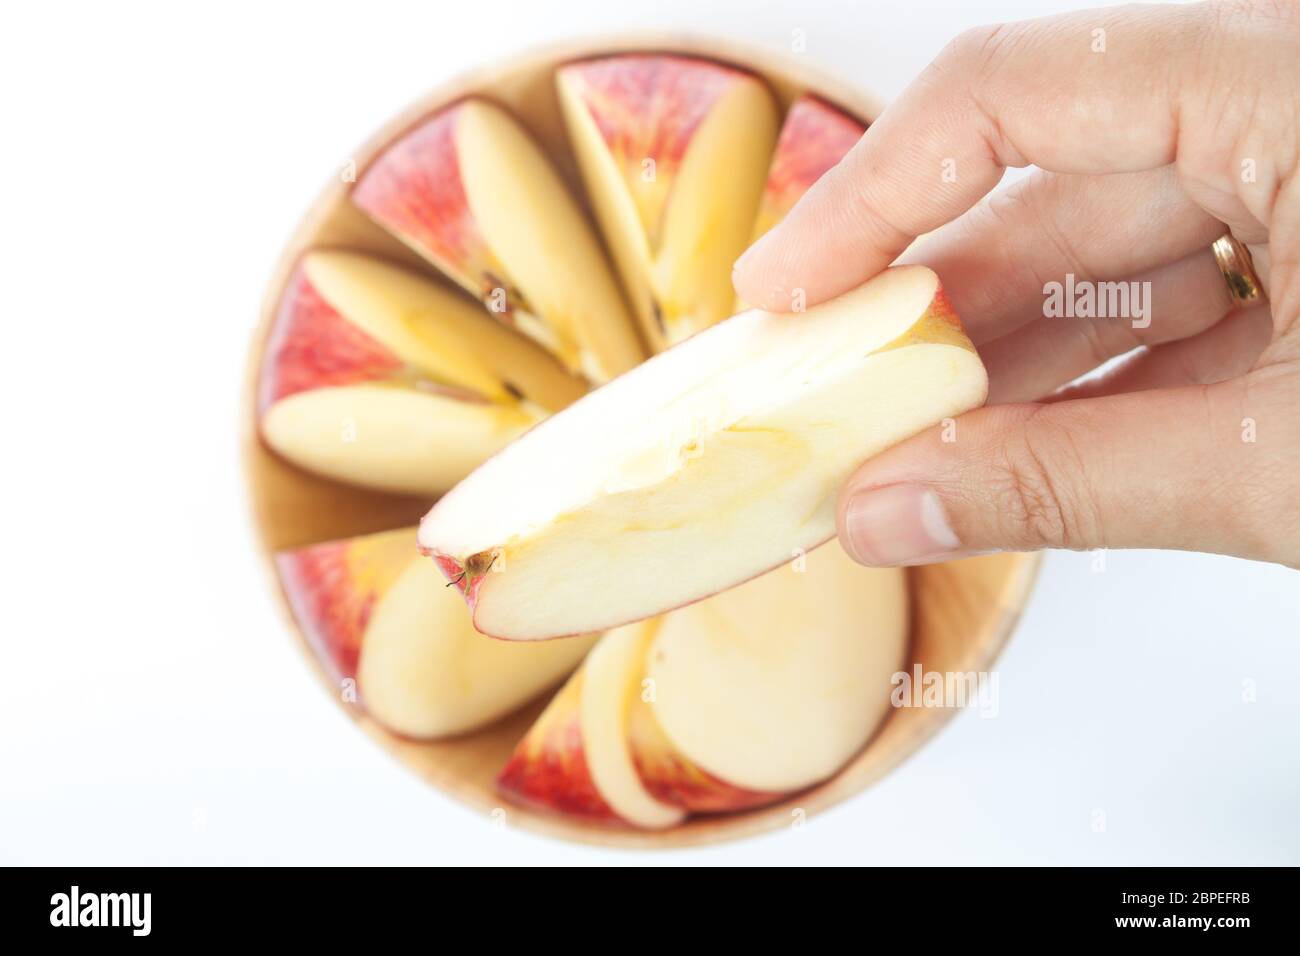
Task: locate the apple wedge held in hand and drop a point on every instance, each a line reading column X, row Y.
column 705, row 466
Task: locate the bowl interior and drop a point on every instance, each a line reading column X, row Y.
column 962, row 611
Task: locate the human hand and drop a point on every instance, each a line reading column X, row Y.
column 1156, row 130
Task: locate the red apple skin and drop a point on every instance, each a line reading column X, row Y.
column 331, row 609
column 312, row 346
column 684, row 785
column 673, row 779
column 814, row 137
column 414, row 189
column 648, row 107
column 548, row 770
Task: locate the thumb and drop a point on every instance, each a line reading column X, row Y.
column 1161, row 469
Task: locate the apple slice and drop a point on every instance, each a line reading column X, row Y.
column 613, row 674
column 772, row 686
column 470, row 191
column 576, row 759
column 332, row 588
column 731, row 703
column 705, row 466
column 672, row 778
column 376, row 612
column 378, row 377
column 674, row 152
column 548, row 769
column 439, row 332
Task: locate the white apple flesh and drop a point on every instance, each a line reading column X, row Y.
column 407, row 441
column 424, row 672
column 612, row 684
column 705, row 466
column 774, row 685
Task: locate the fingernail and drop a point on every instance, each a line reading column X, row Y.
column 898, row 524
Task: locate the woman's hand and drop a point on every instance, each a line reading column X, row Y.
column 1158, row 129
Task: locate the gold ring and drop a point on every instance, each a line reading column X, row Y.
column 1238, row 270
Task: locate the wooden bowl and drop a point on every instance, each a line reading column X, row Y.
column 963, row 612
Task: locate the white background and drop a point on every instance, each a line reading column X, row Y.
column 153, row 710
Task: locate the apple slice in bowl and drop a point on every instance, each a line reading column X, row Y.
column 381, row 378
column 469, row 189
column 377, row 614
column 673, row 152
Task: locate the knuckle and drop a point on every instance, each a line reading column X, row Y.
column 976, row 56
column 957, row 51
column 1044, row 499
column 974, row 69
column 977, row 49
column 1030, row 512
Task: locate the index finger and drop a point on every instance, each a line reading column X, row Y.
column 1088, row 92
